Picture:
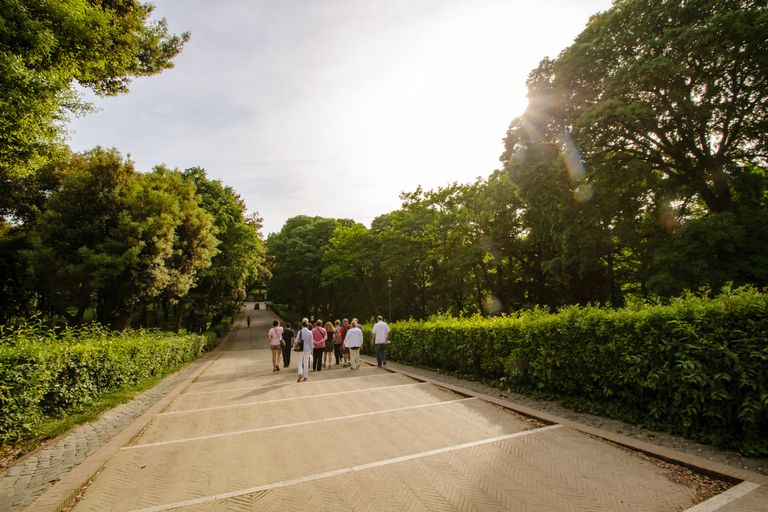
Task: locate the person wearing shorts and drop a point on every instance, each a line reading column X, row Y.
column 275, row 339
column 344, row 349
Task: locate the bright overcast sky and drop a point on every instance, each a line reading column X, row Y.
column 333, row 107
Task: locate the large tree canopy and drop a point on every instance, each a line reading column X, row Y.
column 681, row 86
column 49, row 46
column 119, row 237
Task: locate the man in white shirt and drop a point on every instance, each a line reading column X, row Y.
column 380, row 335
column 305, row 336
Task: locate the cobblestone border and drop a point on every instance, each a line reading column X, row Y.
column 33, row 475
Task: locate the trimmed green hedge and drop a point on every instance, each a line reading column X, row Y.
column 45, row 374
column 697, row 367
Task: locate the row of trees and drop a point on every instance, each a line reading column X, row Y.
column 85, row 235
column 638, row 167
column 89, row 233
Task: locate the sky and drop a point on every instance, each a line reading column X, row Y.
column 334, row 107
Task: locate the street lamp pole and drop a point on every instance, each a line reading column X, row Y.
column 389, row 285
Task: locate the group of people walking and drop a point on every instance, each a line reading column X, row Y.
column 316, row 347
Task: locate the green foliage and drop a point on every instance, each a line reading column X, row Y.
column 44, row 373
column 121, row 236
column 296, row 257
column 219, row 289
column 47, row 48
column 697, row 367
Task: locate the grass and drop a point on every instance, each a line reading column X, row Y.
column 54, row 427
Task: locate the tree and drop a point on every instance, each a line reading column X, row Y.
column 353, row 253
column 221, row 288
column 296, row 254
column 120, row 237
column 680, row 86
column 48, row 47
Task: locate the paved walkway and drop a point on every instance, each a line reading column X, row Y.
column 236, row 436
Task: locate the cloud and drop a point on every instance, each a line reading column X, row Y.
column 295, row 102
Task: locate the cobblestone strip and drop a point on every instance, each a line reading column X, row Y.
column 680, row 444
column 27, row 480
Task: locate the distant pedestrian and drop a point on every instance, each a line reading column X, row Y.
column 275, row 340
column 303, row 338
column 345, row 327
column 353, row 341
column 287, row 345
column 248, row 321
column 337, row 341
column 328, row 351
column 380, row 335
column 319, row 335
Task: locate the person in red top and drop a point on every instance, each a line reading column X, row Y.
column 319, row 335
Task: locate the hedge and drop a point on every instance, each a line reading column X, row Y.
column 46, row 374
column 696, row 367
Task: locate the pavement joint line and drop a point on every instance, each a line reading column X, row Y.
column 288, row 425
column 272, row 386
column 328, row 474
column 250, row 404
column 698, row 464
column 717, row 502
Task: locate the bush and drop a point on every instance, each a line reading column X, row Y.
column 697, row 367
column 45, row 374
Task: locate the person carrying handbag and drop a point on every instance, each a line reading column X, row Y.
column 303, row 349
column 319, row 335
column 275, row 342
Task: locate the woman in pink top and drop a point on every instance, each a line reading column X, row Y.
column 319, row 335
column 275, row 337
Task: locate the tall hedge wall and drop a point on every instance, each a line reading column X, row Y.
column 697, row 367
column 44, row 374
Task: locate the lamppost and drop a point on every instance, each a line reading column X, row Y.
column 389, row 285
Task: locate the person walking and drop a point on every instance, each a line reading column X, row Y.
column 345, row 327
column 328, row 351
column 303, row 349
column 337, row 341
column 353, row 341
column 380, row 336
column 319, row 335
column 287, row 345
column 248, row 321
column 275, row 339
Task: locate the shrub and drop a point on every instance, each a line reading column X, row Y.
column 45, row 374
column 697, row 367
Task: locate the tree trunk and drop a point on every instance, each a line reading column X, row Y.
column 179, row 314
column 362, row 277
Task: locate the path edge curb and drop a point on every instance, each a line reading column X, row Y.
column 706, row 467
column 64, row 492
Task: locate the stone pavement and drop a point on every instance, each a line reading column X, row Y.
column 236, row 436
column 30, row 477
column 677, row 443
